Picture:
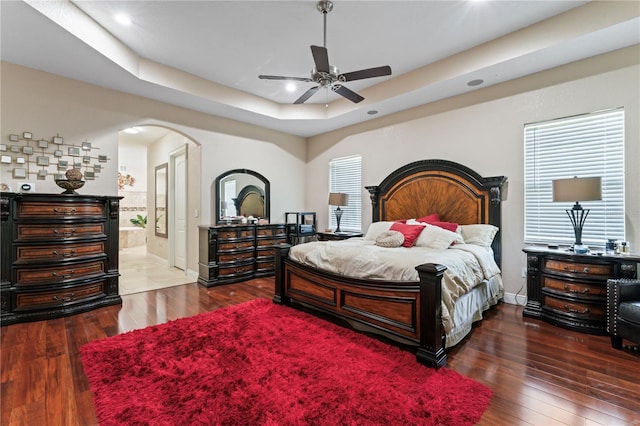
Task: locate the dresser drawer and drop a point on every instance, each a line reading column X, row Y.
column 225, row 271
column 575, row 309
column 271, row 241
column 235, row 245
column 33, row 209
column 32, row 232
column 56, row 298
column 58, row 274
column 54, row 252
column 235, row 257
column 575, row 289
column 230, row 234
column 568, row 267
column 272, row 232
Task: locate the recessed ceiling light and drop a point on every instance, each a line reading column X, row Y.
column 291, row 87
column 372, row 112
column 123, row 19
column 476, row 82
column 132, row 130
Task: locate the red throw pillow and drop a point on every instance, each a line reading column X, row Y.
column 410, row 232
column 449, row 226
column 433, row 217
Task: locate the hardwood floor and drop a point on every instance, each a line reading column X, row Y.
column 540, row 374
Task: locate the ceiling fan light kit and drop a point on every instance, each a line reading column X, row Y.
column 328, row 76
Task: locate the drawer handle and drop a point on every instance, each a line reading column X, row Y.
column 584, row 270
column 575, row 311
column 64, row 211
column 571, row 290
column 64, row 299
column 65, row 253
column 55, row 274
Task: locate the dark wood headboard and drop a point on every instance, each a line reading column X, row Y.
column 455, row 192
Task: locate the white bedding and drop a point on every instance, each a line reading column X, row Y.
column 467, row 266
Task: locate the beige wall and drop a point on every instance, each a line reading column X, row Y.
column 46, row 105
column 484, row 131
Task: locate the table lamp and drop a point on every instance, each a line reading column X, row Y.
column 338, row 199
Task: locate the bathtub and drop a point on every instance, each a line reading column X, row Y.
column 132, row 236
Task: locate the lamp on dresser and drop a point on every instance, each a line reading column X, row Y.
column 338, row 199
column 577, row 189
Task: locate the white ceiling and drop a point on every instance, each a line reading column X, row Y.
column 207, row 55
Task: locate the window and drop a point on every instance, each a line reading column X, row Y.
column 345, row 175
column 588, row 145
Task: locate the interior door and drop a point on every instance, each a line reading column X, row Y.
column 180, row 209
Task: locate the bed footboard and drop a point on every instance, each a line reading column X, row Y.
column 406, row 312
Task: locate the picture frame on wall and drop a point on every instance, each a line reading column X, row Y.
column 5, row 159
column 27, row 150
column 42, row 161
column 13, row 138
column 43, row 144
column 58, row 140
column 20, row 160
column 27, row 135
column 58, row 153
column 89, row 175
column 19, row 173
column 3, row 147
column 42, row 174
column 86, row 146
column 74, row 151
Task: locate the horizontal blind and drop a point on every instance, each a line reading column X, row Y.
column 589, row 145
column 345, row 175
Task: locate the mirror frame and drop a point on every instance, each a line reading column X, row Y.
column 267, row 192
column 165, row 218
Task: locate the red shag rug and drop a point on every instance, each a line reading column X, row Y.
column 259, row 363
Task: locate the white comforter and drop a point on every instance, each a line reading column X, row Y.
column 467, row 265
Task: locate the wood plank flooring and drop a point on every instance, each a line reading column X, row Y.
column 540, row 374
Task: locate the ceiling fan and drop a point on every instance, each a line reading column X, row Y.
column 326, row 75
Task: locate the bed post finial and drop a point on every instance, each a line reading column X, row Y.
column 374, row 192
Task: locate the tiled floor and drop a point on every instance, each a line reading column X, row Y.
column 140, row 271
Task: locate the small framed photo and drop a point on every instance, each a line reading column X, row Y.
column 3, row 147
column 5, row 159
column 43, row 144
column 27, row 135
column 57, row 140
column 63, row 163
column 42, row 174
column 15, row 148
column 102, row 158
column 13, row 138
column 58, row 176
column 97, row 168
column 89, row 175
column 19, row 173
column 20, row 160
column 74, row 151
column 42, row 161
column 58, row 153
column 27, row 150
column 62, row 167
column 77, row 165
column 86, row 146
column 86, row 159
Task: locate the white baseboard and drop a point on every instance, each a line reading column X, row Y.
column 515, row 299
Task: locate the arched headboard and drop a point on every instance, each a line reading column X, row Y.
column 455, row 192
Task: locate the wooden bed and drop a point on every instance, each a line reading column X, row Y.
column 407, row 312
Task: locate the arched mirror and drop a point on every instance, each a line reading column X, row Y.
column 241, row 192
column 161, row 201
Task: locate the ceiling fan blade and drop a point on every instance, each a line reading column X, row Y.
column 279, row 77
column 321, row 58
column 368, row 73
column 349, row 94
column 306, row 95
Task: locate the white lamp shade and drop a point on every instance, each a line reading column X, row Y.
column 577, row 189
column 338, row 199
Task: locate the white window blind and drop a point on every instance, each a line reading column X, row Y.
column 345, row 175
column 588, row 145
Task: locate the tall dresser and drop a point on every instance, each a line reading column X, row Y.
column 233, row 253
column 59, row 255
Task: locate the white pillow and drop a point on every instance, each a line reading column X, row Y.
column 390, row 239
column 479, row 234
column 377, row 228
column 437, row 238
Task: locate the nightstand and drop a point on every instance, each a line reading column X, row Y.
column 336, row 236
column 570, row 290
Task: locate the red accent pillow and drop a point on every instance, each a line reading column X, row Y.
column 449, row 226
column 410, row 232
column 433, row 217
column 401, row 221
